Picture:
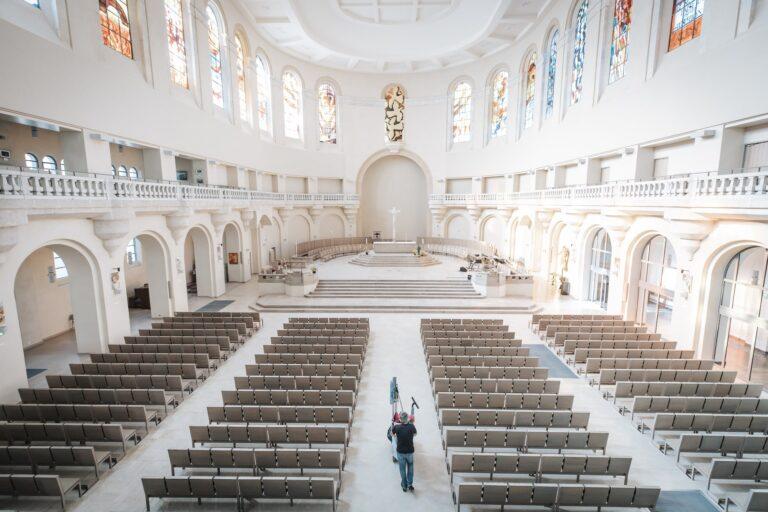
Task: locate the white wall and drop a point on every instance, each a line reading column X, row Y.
column 43, row 306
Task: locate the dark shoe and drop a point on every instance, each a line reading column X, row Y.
column 405, row 489
column 394, row 459
column 410, row 488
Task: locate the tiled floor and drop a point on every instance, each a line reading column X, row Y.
column 370, row 481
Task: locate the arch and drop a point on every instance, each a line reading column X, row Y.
column 521, row 229
column 85, row 296
column 331, row 225
column 493, row 232
column 597, row 265
column 233, row 260
column 31, row 161
column 383, row 153
column 458, row 225
column 153, row 270
column 49, row 164
column 269, row 239
column 297, row 229
column 198, row 261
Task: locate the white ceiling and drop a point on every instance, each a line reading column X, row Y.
column 392, row 36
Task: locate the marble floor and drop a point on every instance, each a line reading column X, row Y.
column 370, row 480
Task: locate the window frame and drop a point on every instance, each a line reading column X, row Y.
column 454, row 114
column 326, row 83
column 299, row 108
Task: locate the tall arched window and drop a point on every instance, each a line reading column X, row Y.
column 657, row 284
column 742, row 332
column 264, row 95
column 326, row 113
column 177, row 51
column 122, row 172
column 529, row 93
column 31, row 161
column 600, row 268
column 394, row 112
column 215, row 37
column 116, row 26
column 242, row 91
column 49, row 164
column 499, row 104
column 521, row 250
column 461, row 112
column 687, row 19
column 619, row 39
column 579, row 48
column 292, row 105
column 549, row 105
column 133, row 173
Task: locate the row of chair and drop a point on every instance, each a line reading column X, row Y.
column 288, row 382
column 53, row 457
column 585, row 334
column 448, row 350
column 319, row 340
column 20, row 484
column 707, row 422
column 472, row 342
column 212, row 350
column 164, row 382
column 336, row 370
column 323, row 332
column 611, row 377
column 68, row 433
column 269, row 435
column 462, row 321
column 524, row 440
column 223, row 342
column 185, row 371
column 286, row 358
column 513, row 418
column 463, row 400
column 596, row 364
column 715, row 405
column 300, row 348
column 288, row 397
column 459, row 385
column 735, row 445
column 279, row 414
column 538, row 317
column 489, row 372
column 580, row 355
column 232, row 334
column 201, row 361
column 550, row 333
column 484, row 334
column 191, row 323
column 256, row 460
column 326, row 320
column 508, row 361
column 151, row 397
column 78, row 412
column 702, row 389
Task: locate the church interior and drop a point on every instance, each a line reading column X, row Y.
column 364, row 255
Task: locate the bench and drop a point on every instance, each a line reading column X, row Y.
column 164, row 382
column 513, row 418
column 328, row 370
column 716, row 405
column 723, row 444
column 702, row 389
column 185, row 371
column 52, row 457
column 269, row 435
column 524, row 440
column 610, row 377
column 222, row 341
column 201, row 361
column 703, row 422
column 101, row 413
column 504, row 401
column 39, row 485
column 495, row 385
column 288, row 397
column 288, row 382
column 737, row 469
column 152, row 397
column 489, row 372
column 213, row 350
column 68, row 433
column 279, row 414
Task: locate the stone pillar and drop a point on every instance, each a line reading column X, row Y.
column 474, row 213
column 178, row 223
column 315, row 212
column 538, row 231
column 312, row 185
column 477, row 185
column 219, row 219
column 437, row 214
column 159, row 164
column 86, row 152
column 350, row 212
column 248, row 217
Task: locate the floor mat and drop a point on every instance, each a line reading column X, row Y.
column 557, row 368
column 690, row 501
column 31, row 372
column 216, row 305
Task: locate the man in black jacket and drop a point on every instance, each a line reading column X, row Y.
column 404, row 433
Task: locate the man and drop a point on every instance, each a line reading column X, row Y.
column 404, row 433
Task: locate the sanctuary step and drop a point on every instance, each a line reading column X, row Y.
column 395, row 288
column 393, row 260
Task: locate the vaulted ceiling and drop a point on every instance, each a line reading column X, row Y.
column 392, row 36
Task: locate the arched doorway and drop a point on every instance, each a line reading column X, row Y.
column 394, row 181
column 658, row 280
column 198, row 263
column 458, row 227
column 147, row 277
column 297, row 230
column 58, row 295
column 330, row 226
column 234, row 267
column 268, row 238
column 521, row 252
column 741, row 339
column 599, row 268
column 493, row 234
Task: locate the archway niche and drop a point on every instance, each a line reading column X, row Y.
column 58, row 304
column 198, row 263
column 522, row 242
column 268, row 239
column 296, row 231
column 493, row 233
column 394, row 181
column 330, row 226
column 147, row 276
column 234, row 266
column 458, row 227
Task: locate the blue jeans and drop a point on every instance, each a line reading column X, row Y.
column 405, row 460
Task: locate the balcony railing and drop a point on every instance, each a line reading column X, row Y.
column 15, row 184
column 747, row 189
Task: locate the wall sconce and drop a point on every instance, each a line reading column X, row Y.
column 114, row 276
column 179, row 266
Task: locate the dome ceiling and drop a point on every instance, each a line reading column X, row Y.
column 391, row 36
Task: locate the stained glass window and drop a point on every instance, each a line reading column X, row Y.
column 214, row 47
column 619, row 35
column 242, row 94
column 59, row 268
column 30, row 161
column 326, row 112
column 292, row 105
column 177, row 52
column 499, row 104
column 394, row 112
column 264, row 95
column 579, row 47
column 551, row 74
column 529, row 97
column 115, row 26
column 686, row 22
column 462, row 112
column 49, row 164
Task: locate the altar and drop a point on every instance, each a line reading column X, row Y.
column 382, row 247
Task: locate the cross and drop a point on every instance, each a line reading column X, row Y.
column 394, row 211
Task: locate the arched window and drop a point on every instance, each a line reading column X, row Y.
column 394, row 112
column 461, row 124
column 292, row 105
column 122, row 172
column 326, row 112
column 658, row 281
column 116, row 26
column 133, row 173
column 59, row 268
column 34, row 3
column 579, row 47
column 215, row 38
column 619, row 35
column 549, row 105
column 687, row 18
column 242, row 91
column 499, row 104
column 114, row 171
column 742, row 332
column 31, row 161
column 529, row 93
column 177, row 51
column 600, row 268
column 264, row 95
column 133, row 252
column 49, row 164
